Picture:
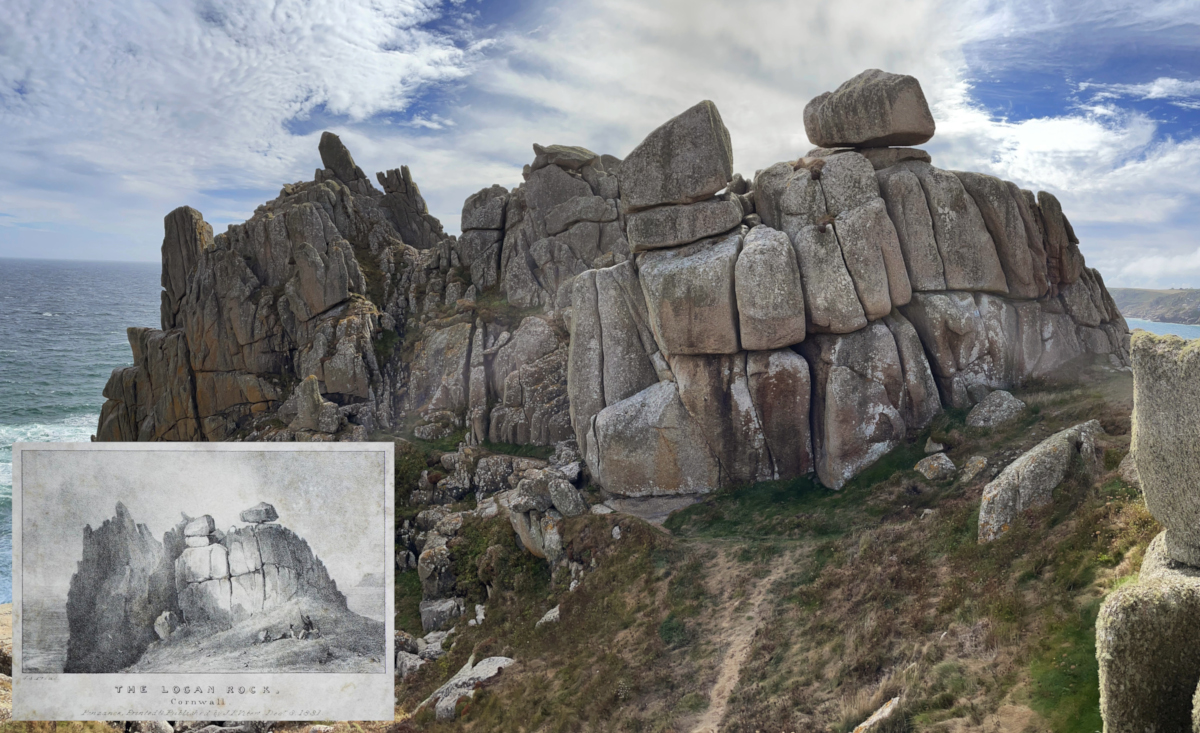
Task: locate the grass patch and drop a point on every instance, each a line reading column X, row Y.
column 523, row 451
column 386, row 345
column 408, row 603
column 493, row 307
column 1066, row 675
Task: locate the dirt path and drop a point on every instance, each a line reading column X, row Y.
column 739, row 630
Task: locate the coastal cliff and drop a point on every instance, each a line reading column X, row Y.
column 688, row 328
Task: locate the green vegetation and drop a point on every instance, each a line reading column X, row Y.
column 1066, row 676
column 604, row 665
column 846, row 598
column 408, row 603
column 386, row 345
column 493, row 307
column 525, row 451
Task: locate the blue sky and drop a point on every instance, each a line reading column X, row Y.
column 113, row 112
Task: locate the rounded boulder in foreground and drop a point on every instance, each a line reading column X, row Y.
column 997, row 408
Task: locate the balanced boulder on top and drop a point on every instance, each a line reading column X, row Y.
column 874, row 109
column 260, row 513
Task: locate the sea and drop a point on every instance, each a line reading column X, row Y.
column 1183, row 330
column 62, row 332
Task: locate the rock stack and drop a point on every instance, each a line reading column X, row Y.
column 115, row 596
column 688, row 328
column 890, row 286
column 225, row 579
column 1146, row 631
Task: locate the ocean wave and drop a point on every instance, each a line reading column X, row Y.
column 74, row 429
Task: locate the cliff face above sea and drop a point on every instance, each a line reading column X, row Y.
column 1164, row 306
column 686, row 327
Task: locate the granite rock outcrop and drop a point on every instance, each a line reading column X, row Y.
column 686, row 327
column 130, row 591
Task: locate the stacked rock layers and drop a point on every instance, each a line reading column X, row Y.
column 860, row 290
column 225, row 579
column 688, row 328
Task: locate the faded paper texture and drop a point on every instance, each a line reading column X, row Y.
column 179, row 576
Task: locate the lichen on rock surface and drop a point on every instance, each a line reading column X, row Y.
column 644, row 290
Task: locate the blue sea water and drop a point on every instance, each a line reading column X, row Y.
column 1183, row 330
column 62, row 332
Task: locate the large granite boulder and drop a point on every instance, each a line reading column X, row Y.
column 688, row 158
column 260, row 513
column 906, row 205
column 873, row 258
column 585, row 364
column 628, row 340
column 1147, row 649
column 872, row 109
column 313, row 412
column 968, row 358
column 567, row 157
column 670, row 226
column 792, row 201
column 1001, row 212
column 858, row 389
column 781, row 392
column 968, row 254
column 1064, row 262
column 1166, row 437
column 484, row 209
column 648, row 445
column 919, row 402
column 1030, row 480
column 690, row 296
column 715, row 391
column 335, row 157
column 438, row 373
column 770, row 295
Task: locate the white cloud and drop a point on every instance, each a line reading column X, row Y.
column 143, row 104
column 1161, row 88
column 114, row 113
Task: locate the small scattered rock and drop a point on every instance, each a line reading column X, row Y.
column 973, row 467
column 616, row 532
column 880, row 716
column 601, row 508
column 463, row 684
column 406, row 642
column 260, row 513
column 550, row 617
column 1128, row 472
column 937, row 467
column 932, row 447
column 566, row 498
column 997, row 408
column 407, row 663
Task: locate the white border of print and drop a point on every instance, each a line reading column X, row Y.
column 300, row 696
